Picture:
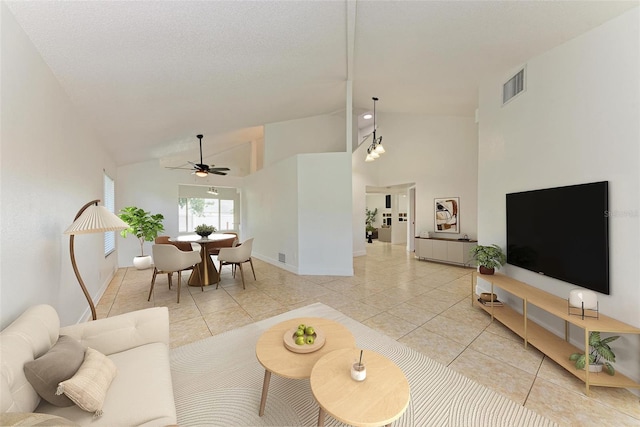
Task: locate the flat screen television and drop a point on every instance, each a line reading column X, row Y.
column 562, row 232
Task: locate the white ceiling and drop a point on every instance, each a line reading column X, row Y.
column 150, row 75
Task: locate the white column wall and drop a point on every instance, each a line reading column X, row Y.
column 270, row 213
column 324, row 213
column 52, row 164
column 577, row 122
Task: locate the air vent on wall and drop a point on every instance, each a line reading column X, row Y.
column 514, row 86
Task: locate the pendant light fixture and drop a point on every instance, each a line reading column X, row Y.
column 376, row 148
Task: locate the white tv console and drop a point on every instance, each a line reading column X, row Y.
column 551, row 345
column 452, row 251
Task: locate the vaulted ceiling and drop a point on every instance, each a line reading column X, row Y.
column 150, row 75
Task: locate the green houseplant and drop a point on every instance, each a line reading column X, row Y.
column 488, row 258
column 144, row 226
column 598, row 349
column 369, row 220
column 204, row 230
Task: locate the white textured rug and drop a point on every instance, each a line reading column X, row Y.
column 217, row 382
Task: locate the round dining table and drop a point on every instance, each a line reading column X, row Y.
column 205, row 273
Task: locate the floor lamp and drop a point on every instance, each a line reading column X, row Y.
column 91, row 218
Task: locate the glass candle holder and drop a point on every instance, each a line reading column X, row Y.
column 358, row 371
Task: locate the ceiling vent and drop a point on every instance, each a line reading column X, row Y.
column 513, row 87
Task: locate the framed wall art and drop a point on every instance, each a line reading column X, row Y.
column 447, row 215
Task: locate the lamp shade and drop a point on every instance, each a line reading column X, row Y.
column 96, row 219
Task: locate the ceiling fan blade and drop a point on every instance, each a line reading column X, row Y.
column 219, row 169
column 215, row 172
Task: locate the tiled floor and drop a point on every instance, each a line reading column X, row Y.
column 424, row 305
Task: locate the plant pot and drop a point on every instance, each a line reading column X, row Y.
column 203, row 235
column 595, row 368
column 485, row 270
column 142, row 262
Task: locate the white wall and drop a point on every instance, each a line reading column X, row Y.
column 577, row 122
column 438, row 153
column 317, row 134
column 270, row 213
column 51, row 165
column 300, row 206
column 153, row 188
column 324, row 213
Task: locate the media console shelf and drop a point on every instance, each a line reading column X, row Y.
column 553, row 346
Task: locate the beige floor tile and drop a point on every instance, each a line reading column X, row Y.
column 358, row 310
column 390, row 325
column 463, row 333
column 528, row 359
column 416, row 315
column 575, row 409
column 507, row 380
column 433, row 345
column 227, row 319
column 188, row 331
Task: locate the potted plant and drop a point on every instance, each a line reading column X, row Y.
column 372, row 232
column 599, row 349
column 145, row 227
column 203, row 230
column 488, row 258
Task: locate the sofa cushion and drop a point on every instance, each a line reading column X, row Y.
column 60, row 363
column 141, row 394
column 88, row 387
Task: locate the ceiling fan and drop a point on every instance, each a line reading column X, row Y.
column 202, row 170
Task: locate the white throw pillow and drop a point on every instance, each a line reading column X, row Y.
column 88, row 387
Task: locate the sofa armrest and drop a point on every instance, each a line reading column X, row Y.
column 123, row 332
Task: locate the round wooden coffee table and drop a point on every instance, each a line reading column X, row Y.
column 275, row 358
column 380, row 399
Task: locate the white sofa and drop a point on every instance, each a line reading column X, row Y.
column 138, row 343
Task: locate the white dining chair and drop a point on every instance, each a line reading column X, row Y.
column 237, row 256
column 169, row 259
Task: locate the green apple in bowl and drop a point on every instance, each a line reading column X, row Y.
column 299, row 333
column 301, row 326
column 309, row 330
column 310, row 339
column 300, row 340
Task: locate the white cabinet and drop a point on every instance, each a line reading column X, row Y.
column 445, row 250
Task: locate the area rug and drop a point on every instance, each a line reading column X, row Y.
column 218, row 381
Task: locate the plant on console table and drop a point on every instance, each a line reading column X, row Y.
column 488, row 258
column 204, row 230
column 599, row 349
column 145, row 227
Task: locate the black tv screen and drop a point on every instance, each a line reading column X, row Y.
column 562, row 232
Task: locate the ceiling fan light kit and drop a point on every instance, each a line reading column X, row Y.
column 376, row 148
column 201, row 170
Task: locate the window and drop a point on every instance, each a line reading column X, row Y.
column 195, row 211
column 109, row 203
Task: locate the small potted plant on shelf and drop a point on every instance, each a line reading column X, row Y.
column 204, row 230
column 145, row 227
column 488, row 258
column 599, row 349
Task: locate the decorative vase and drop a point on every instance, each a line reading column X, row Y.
column 142, row 262
column 485, row 270
column 204, row 235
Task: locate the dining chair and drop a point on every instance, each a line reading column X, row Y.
column 214, row 248
column 169, row 259
column 183, row 246
column 237, row 256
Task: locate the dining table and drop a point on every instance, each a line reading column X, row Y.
column 204, row 273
